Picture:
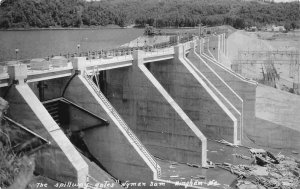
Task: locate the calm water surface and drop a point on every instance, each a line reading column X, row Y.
column 43, row 43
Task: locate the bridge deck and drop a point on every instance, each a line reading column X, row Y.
column 92, row 65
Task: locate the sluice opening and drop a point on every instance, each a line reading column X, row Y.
column 75, row 120
column 102, row 82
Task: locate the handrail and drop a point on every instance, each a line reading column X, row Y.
column 121, row 51
column 26, row 129
column 124, row 125
column 84, row 110
column 102, row 54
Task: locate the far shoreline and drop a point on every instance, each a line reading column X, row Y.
column 90, row 28
column 38, row 29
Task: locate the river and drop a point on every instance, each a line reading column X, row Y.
column 43, row 43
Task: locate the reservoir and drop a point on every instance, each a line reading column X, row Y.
column 43, row 43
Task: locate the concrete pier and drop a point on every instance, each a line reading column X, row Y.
column 118, row 152
column 230, row 99
column 61, row 161
column 154, row 116
column 245, row 88
column 194, row 96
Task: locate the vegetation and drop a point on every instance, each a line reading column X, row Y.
column 16, row 170
column 158, row 13
column 150, row 30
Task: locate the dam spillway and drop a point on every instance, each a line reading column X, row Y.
column 133, row 111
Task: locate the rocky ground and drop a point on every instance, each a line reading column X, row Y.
column 284, row 173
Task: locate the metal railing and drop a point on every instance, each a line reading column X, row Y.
column 103, row 54
column 121, row 51
column 185, row 39
column 124, row 125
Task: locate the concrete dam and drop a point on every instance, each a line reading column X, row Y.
column 129, row 118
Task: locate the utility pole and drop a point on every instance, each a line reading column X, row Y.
column 16, row 50
column 78, row 47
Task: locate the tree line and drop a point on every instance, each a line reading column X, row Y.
column 158, row 13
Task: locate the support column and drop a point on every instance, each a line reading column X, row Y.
column 219, row 47
column 17, row 73
column 226, row 47
column 198, row 41
column 224, row 43
column 114, row 146
column 203, row 45
column 296, row 83
column 61, row 161
column 138, row 56
column 219, row 87
column 155, row 117
column 207, row 43
column 79, row 64
column 111, row 145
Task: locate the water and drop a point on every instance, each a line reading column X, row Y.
column 43, row 43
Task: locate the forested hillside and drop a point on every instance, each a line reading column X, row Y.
column 160, row 13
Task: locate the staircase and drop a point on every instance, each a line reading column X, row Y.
column 125, row 126
column 53, row 109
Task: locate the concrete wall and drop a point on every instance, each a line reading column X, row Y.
column 108, row 144
column 245, row 89
column 60, row 161
column 54, row 87
column 272, row 135
column 278, row 106
column 225, row 93
column 196, row 102
column 217, row 46
column 152, row 118
column 277, row 118
column 79, row 120
column 213, row 46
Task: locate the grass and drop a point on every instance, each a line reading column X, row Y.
column 10, row 165
column 16, row 170
column 9, row 162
